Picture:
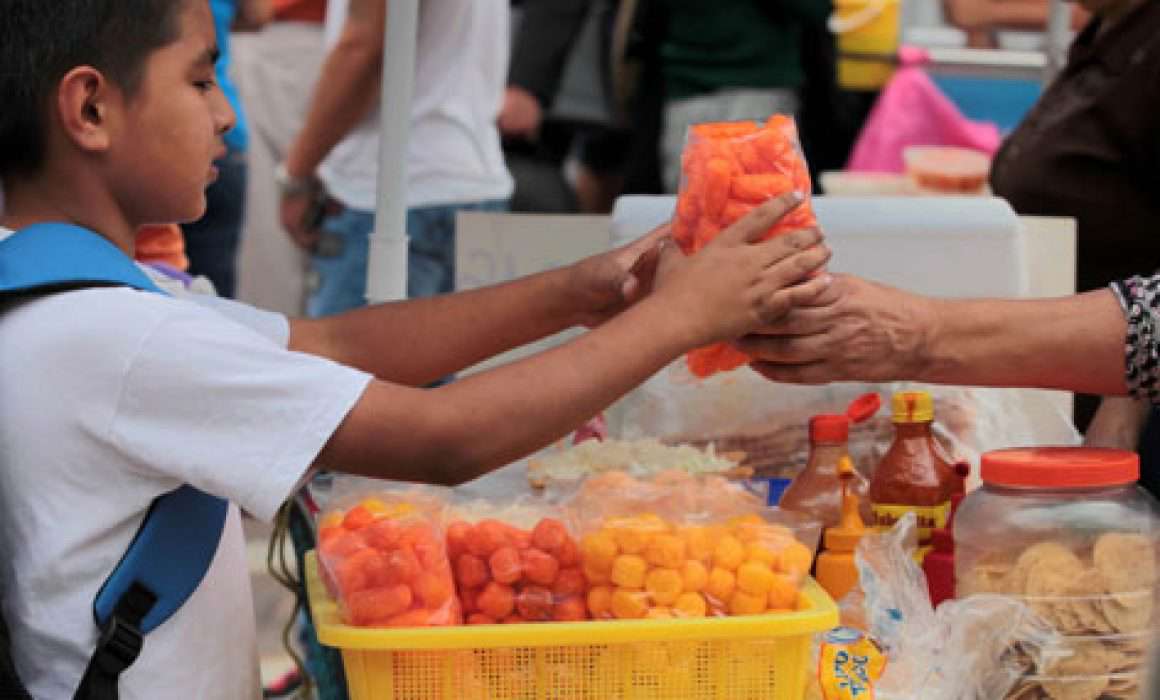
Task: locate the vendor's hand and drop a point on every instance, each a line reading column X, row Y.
column 521, row 114
column 296, row 212
column 856, row 330
column 737, row 283
column 606, row 284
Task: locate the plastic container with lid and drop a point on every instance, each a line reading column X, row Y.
column 947, row 170
column 1068, row 531
column 817, row 490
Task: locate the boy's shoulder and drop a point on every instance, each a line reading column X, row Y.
column 100, row 331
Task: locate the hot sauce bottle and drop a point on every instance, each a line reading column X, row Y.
column 915, row 476
column 817, row 490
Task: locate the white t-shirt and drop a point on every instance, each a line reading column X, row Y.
column 454, row 155
column 110, row 398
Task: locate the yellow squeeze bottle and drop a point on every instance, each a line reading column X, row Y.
column 836, row 570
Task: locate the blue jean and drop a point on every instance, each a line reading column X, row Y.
column 339, row 265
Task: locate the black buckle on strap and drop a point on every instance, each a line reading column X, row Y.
column 119, row 645
column 121, row 639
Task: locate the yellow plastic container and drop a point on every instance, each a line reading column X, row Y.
column 760, row 657
column 867, row 32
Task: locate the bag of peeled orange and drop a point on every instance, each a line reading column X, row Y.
column 727, row 169
column 383, row 558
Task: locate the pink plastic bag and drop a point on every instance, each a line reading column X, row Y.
column 912, row 111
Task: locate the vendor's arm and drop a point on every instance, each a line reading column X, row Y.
column 418, row 341
column 347, row 88
column 867, row 331
column 463, row 429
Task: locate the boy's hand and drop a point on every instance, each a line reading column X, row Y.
column 608, row 283
column 736, row 284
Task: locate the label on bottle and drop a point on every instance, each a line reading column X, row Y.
column 929, row 518
column 849, row 664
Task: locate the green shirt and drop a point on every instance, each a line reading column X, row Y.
column 714, row 44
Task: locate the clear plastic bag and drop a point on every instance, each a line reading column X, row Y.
column 515, row 562
column 382, row 556
column 676, row 545
column 976, row 648
column 742, row 412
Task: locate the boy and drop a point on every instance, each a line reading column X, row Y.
column 111, row 397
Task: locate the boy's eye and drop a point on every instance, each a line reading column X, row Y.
column 204, row 85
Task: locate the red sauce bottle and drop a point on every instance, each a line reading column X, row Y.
column 817, row 490
column 915, row 475
column 939, row 565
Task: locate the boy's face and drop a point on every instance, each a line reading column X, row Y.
column 171, row 129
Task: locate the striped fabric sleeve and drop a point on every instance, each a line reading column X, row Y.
column 1139, row 297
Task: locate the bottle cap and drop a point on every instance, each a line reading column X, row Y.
column 836, row 427
column 850, row 530
column 864, row 407
column 829, row 428
column 912, row 407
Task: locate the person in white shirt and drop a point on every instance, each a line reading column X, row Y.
column 454, row 161
column 112, row 397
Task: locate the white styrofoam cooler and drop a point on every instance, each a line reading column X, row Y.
column 939, row 246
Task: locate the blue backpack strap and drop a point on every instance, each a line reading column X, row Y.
column 46, row 258
column 163, row 566
column 172, row 551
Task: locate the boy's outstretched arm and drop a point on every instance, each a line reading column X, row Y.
column 416, row 342
column 464, row 429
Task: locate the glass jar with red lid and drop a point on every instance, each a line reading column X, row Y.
column 1068, row 531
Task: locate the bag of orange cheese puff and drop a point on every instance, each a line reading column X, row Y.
column 728, row 168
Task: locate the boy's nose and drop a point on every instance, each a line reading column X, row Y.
column 224, row 117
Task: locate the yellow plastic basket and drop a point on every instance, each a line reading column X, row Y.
column 760, row 657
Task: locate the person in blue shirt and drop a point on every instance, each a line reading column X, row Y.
column 212, row 242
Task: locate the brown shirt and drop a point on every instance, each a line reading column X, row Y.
column 1090, row 149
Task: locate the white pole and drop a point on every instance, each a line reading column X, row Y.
column 387, row 262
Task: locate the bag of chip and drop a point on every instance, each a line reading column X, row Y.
column 972, row 648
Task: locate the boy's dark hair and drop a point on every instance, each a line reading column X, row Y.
column 42, row 40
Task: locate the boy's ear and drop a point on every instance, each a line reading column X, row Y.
column 84, row 101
